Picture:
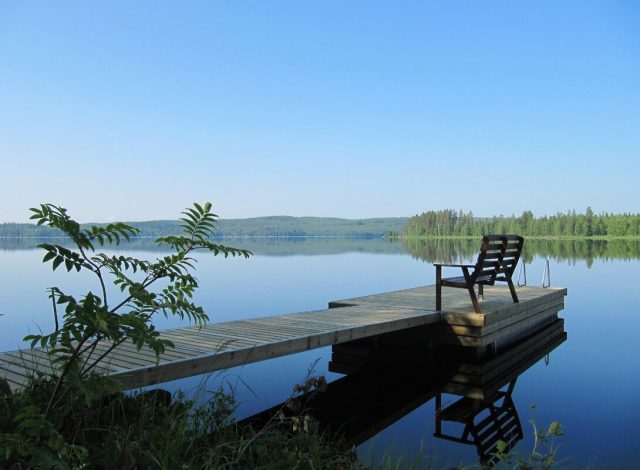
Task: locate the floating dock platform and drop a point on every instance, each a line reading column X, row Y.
column 408, row 314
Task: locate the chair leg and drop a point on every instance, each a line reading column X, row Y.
column 438, row 414
column 438, row 288
column 512, row 289
column 481, row 291
column 474, row 299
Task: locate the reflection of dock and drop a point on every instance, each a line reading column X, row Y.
column 360, row 405
column 481, row 380
column 486, row 412
column 409, row 313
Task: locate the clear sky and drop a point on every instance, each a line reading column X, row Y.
column 133, row 110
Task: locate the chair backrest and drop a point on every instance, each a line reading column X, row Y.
column 499, row 255
column 512, row 252
column 489, row 259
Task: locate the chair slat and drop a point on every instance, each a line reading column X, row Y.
column 495, row 246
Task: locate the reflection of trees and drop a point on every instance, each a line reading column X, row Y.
column 429, row 250
column 266, row 246
column 441, row 250
column 588, row 250
column 462, row 250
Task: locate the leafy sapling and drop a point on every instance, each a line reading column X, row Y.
column 93, row 325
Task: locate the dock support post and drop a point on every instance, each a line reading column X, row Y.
column 438, row 432
column 438, row 287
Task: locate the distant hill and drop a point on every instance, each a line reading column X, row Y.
column 310, row 226
column 275, row 226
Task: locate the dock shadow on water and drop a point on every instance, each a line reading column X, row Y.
column 473, row 398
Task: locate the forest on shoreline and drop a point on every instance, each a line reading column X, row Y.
column 450, row 223
column 446, row 223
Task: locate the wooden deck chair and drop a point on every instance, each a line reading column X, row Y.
column 499, row 255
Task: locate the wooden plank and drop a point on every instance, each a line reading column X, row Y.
column 226, row 331
column 228, row 341
column 526, row 326
column 42, row 355
column 15, row 380
column 505, row 310
column 281, row 328
column 302, row 326
column 28, row 363
column 202, row 341
column 245, row 329
column 17, row 370
column 120, row 360
column 529, row 311
column 168, row 354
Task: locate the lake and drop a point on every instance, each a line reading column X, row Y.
column 590, row 383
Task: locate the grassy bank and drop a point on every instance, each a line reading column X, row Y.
column 153, row 430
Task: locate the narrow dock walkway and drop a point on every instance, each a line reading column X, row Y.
column 218, row 346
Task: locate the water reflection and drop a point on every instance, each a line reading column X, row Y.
column 472, row 397
column 460, row 250
column 265, row 246
column 437, row 250
column 486, row 413
column 482, row 423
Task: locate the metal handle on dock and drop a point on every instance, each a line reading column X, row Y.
column 546, row 275
column 523, row 269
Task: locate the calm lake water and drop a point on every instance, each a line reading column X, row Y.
column 590, row 383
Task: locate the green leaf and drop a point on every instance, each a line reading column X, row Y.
column 57, row 262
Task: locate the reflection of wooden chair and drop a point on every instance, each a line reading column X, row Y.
column 485, row 422
column 499, row 255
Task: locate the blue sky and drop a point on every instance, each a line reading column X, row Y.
column 133, row 110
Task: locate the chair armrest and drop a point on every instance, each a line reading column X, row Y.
column 446, row 265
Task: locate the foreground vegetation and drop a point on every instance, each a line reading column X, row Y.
column 150, row 430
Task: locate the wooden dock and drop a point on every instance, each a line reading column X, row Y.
column 218, row 346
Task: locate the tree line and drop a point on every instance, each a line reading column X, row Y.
column 275, row 226
column 448, row 222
